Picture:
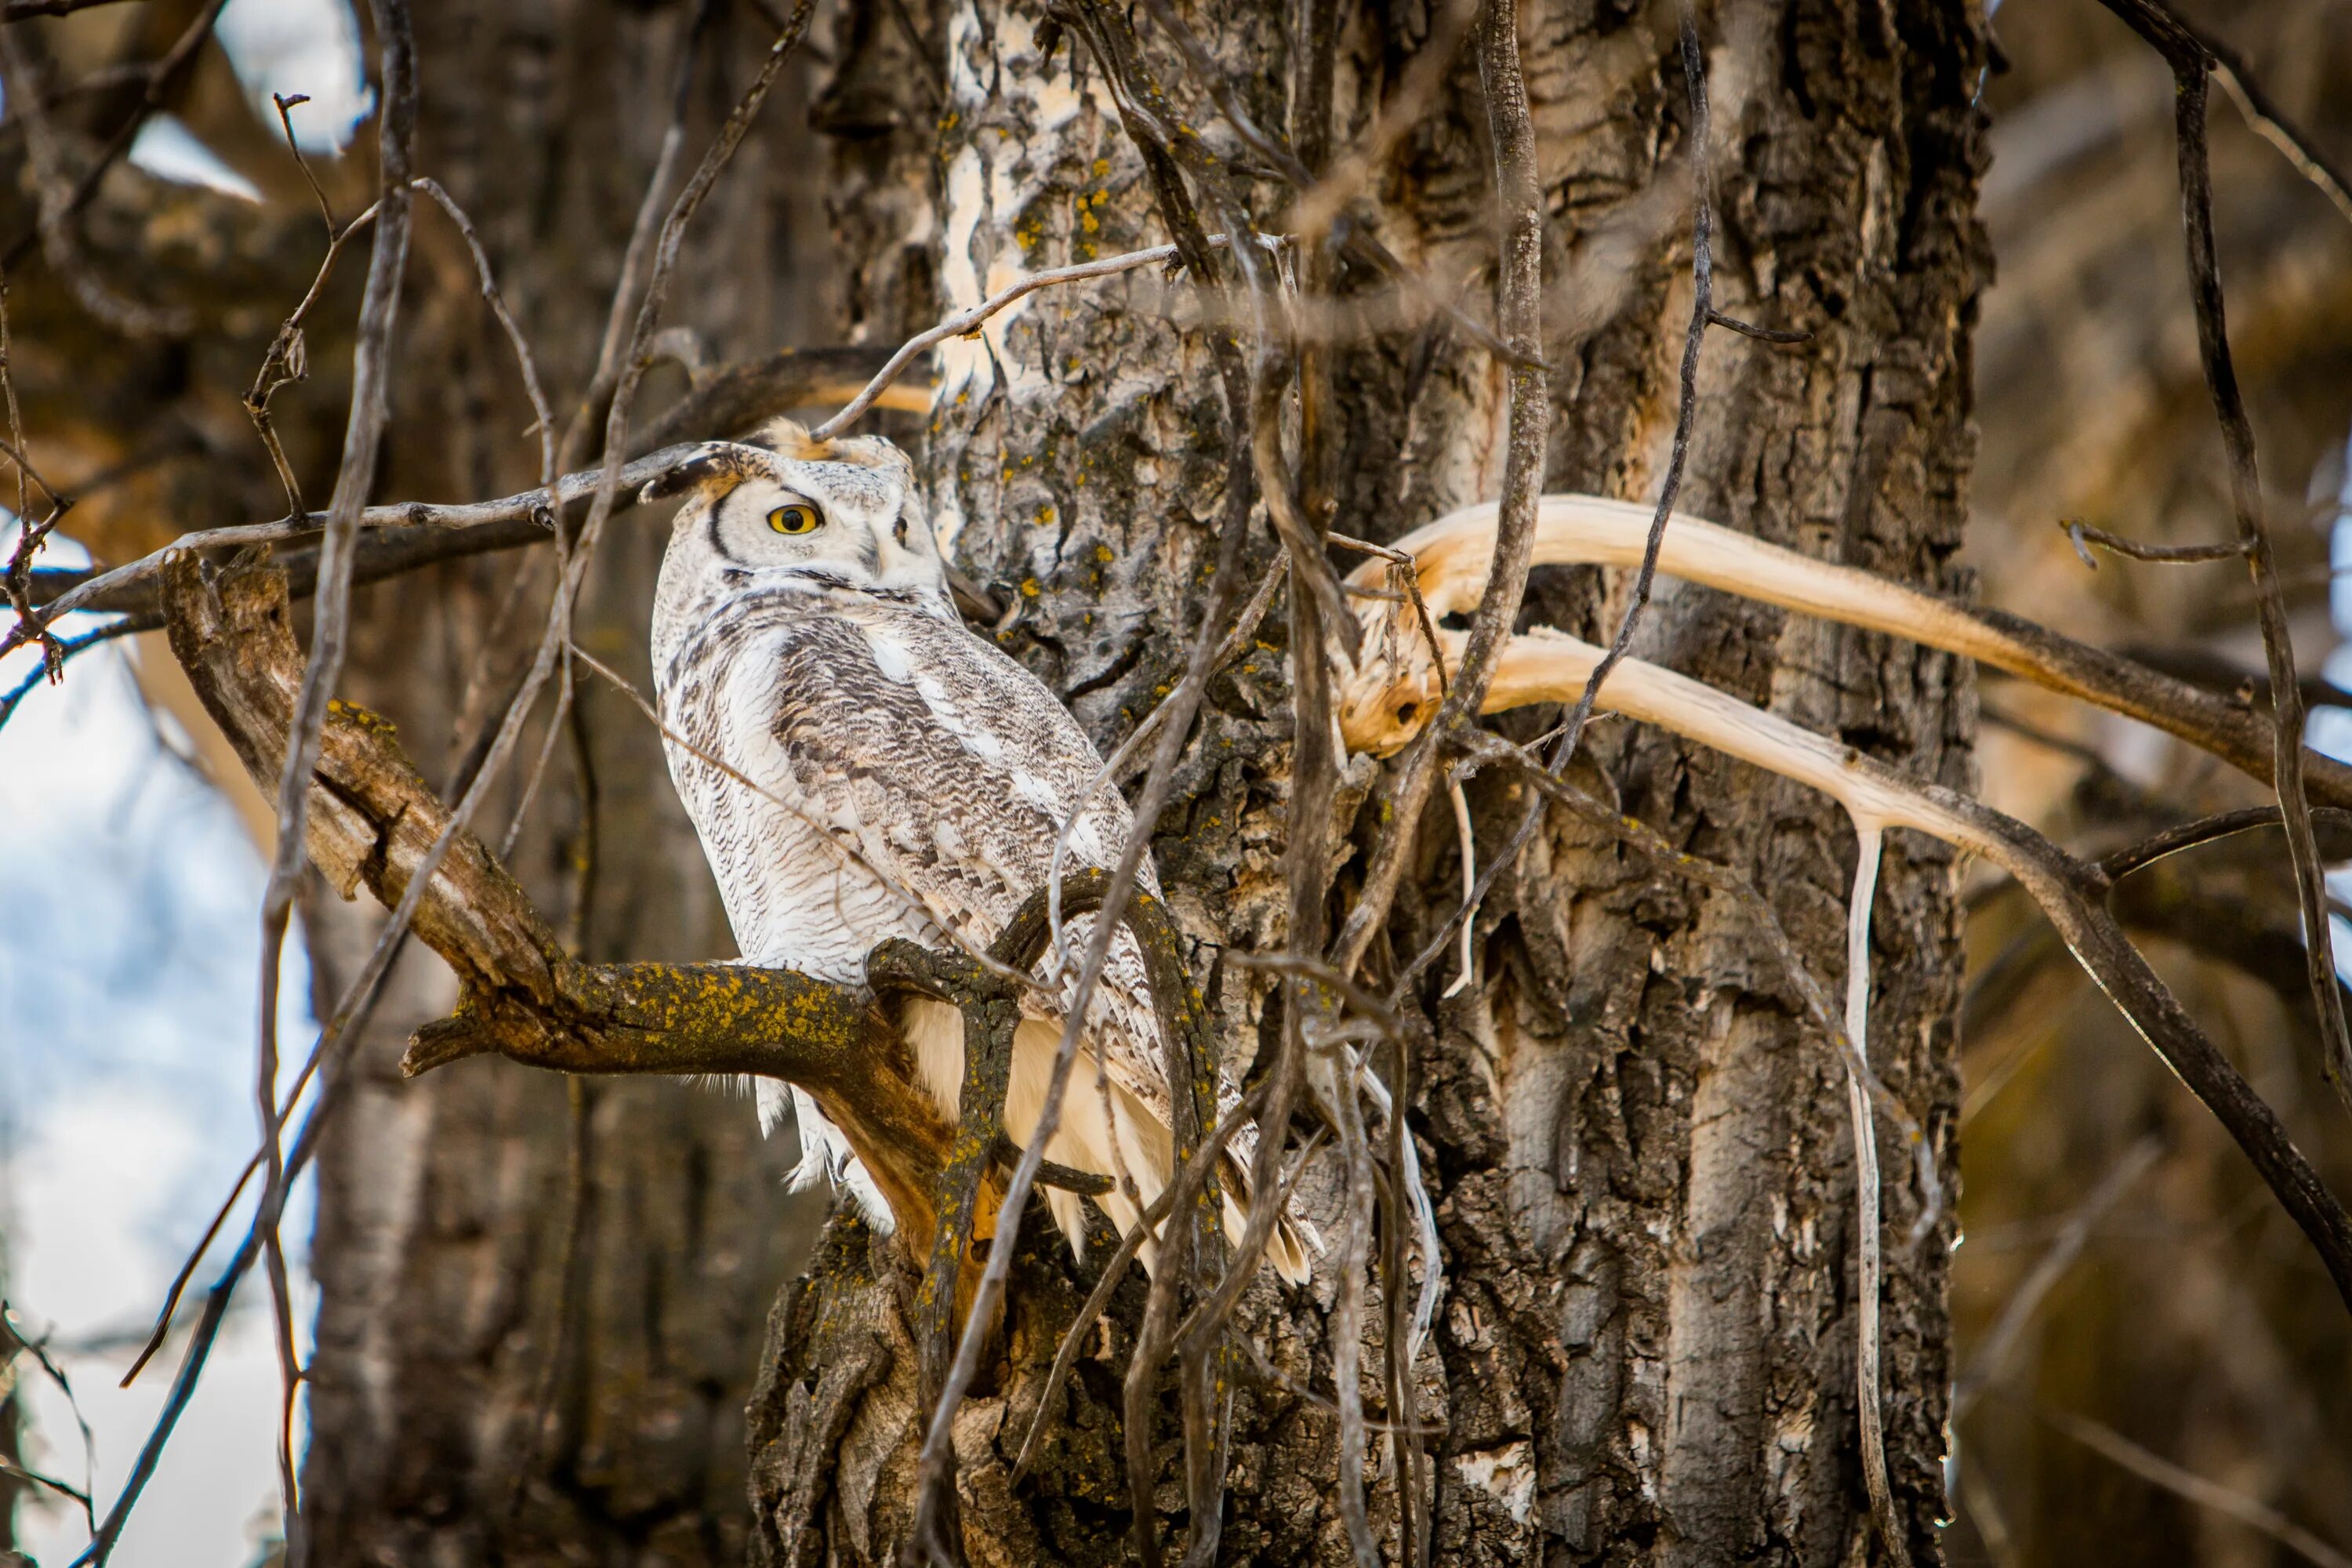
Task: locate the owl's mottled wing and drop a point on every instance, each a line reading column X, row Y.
column 946, row 770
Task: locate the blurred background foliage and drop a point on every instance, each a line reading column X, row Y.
column 2121, row 1264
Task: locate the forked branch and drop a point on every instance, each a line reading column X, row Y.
column 1547, row 665
column 1385, row 707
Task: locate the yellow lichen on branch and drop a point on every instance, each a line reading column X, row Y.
column 374, row 820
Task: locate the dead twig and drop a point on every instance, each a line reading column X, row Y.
column 1520, row 197
column 2192, row 60
column 12, row 1342
column 1686, row 422
column 2156, row 1471
column 2123, row 862
column 364, row 435
column 2081, row 535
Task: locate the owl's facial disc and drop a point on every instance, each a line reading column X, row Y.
column 845, row 526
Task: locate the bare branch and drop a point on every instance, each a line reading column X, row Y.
column 2190, row 59
column 1546, row 666
column 2123, row 862
column 1380, row 712
column 363, row 436
column 2081, row 535
column 2112, row 1444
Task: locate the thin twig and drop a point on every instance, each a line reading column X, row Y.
column 1180, row 698
column 1321, row 204
column 1519, row 194
column 67, row 648
column 32, row 535
column 370, row 412
column 1991, row 1359
column 1751, row 329
column 285, row 107
column 2083, row 536
column 10, row 1342
column 1258, row 382
column 2187, row 46
column 1670, row 487
column 2253, row 536
column 2110, row 1444
column 2123, row 862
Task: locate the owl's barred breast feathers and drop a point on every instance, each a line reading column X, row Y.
column 860, row 766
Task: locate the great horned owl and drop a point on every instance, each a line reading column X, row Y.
column 900, row 777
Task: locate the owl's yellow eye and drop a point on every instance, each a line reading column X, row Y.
column 794, row 518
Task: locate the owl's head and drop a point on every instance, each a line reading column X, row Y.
column 780, row 510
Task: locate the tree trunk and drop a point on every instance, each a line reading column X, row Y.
column 1647, row 1348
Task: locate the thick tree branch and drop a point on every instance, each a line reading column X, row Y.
column 372, row 821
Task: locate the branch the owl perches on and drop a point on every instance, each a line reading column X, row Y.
column 373, row 819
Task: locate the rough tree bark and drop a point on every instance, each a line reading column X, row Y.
column 1645, row 1350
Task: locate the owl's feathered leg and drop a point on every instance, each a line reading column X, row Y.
column 824, row 1152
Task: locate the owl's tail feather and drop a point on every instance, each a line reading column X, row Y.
column 1287, row 1248
column 826, row 1155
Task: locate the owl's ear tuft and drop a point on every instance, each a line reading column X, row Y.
column 790, row 438
column 710, row 463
